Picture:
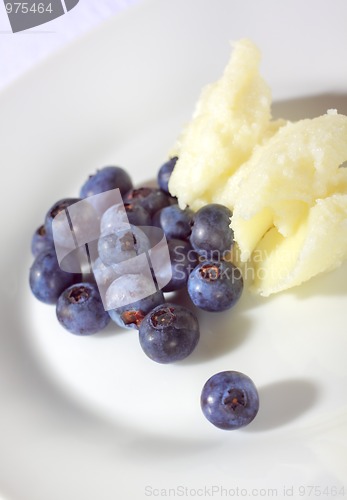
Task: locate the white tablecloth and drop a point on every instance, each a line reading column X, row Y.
column 21, row 51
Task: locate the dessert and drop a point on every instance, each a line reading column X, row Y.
column 284, row 182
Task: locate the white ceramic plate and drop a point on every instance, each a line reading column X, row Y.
column 93, row 418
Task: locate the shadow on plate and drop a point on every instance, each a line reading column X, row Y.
column 309, row 106
column 282, row 402
column 220, row 332
column 152, row 446
column 220, row 337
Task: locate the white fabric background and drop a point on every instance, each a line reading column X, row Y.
column 21, row 51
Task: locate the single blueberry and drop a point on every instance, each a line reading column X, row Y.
column 211, row 234
column 229, row 400
column 175, row 222
column 126, row 243
column 105, row 179
column 169, row 333
column 165, row 172
column 80, row 311
column 47, row 280
column 215, row 286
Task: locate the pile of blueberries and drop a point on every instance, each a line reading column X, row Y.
column 199, row 246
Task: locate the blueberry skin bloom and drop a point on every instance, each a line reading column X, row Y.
column 215, row 286
column 80, row 311
column 105, row 179
column 229, row 400
column 47, row 280
column 211, row 235
column 169, row 333
column 165, row 172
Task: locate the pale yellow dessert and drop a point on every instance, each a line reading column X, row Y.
column 231, row 117
column 284, row 181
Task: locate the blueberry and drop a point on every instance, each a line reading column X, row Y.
column 80, row 310
column 151, row 199
column 215, row 286
column 131, row 315
column 175, row 222
column 169, row 333
column 55, row 209
column 47, row 280
column 229, row 400
column 183, row 260
column 126, row 243
column 211, row 235
column 106, row 179
column 165, row 172
column 41, row 241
